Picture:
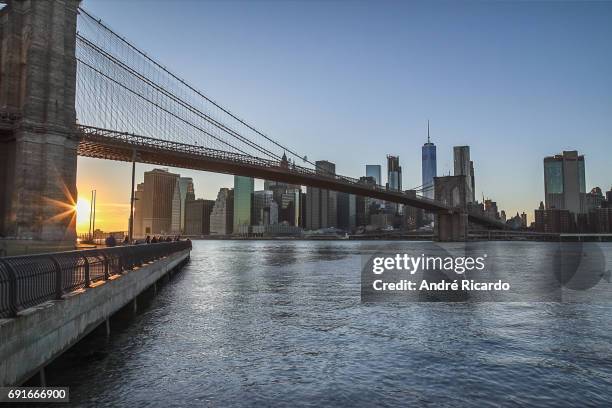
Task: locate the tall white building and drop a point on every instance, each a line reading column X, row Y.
column 177, row 210
column 186, row 193
column 222, row 216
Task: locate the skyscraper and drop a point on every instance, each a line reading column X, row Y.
column 222, row 215
column 177, row 215
column 374, row 171
column 564, row 182
column 197, row 216
column 394, row 173
column 243, row 195
column 321, row 205
column 464, row 167
column 347, row 211
column 159, row 196
column 394, row 181
column 290, row 207
column 265, row 209
column 186, row 193
column 363, row 204
column 428, row 166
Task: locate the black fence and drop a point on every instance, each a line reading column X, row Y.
column 26, row 281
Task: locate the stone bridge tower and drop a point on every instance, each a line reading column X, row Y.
column 451, row 225
column 38, row 146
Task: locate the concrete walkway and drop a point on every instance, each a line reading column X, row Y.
column 40, row 334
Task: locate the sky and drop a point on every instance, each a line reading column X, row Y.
column 353, row 81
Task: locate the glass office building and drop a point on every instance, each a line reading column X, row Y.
column 374, row 170
column 428, row 167
column 243, row 192
column 564, row 182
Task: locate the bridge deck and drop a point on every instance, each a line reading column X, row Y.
column 113, row 145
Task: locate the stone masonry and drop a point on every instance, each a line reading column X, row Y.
column 39, row 151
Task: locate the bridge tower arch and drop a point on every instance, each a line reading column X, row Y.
column 451, row 225
column 38, row 145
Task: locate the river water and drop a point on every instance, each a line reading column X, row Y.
column 281, row 323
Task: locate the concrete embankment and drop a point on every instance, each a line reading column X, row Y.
column 40, row 334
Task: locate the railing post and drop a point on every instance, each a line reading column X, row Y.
column 12, row 289
column 87, row 277
column 58, row 278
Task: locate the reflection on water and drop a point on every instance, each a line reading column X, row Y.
column 265, row 323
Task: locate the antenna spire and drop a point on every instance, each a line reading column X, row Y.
column 428, row 131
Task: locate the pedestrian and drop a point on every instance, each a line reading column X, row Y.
column 110, row 241
column 148, row 239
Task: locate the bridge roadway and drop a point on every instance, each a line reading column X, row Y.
column 122, row 146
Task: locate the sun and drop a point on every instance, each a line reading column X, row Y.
column 82, row 209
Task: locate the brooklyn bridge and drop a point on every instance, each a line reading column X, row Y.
column 71, row 86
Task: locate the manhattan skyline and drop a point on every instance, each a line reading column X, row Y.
column 515, row 81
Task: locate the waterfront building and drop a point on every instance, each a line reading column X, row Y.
column 159, row 202
column 290, row 209
column 538, row 218
column 243, row 201
column 365, row 204
column 303, row 209
column 265, row 209
column 175, row 224
column 564, row 182
column 197, row 217
column 187, row 192
column 382, row 221
column 222, row 215
column 553, row 220
column 594, row 199
column 321, row 205
column 347, row 212
column 490, row 209
column 600, row 220
column 524, row 220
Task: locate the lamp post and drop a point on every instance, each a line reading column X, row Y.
column 132, row 199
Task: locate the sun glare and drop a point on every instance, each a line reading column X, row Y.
column 82, row 208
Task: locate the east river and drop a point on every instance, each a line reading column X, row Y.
column 281, row 323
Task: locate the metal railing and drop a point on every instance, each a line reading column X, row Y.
column 27, row 281
column 93, row 135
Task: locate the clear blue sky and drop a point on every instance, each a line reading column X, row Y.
column 353, row 81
